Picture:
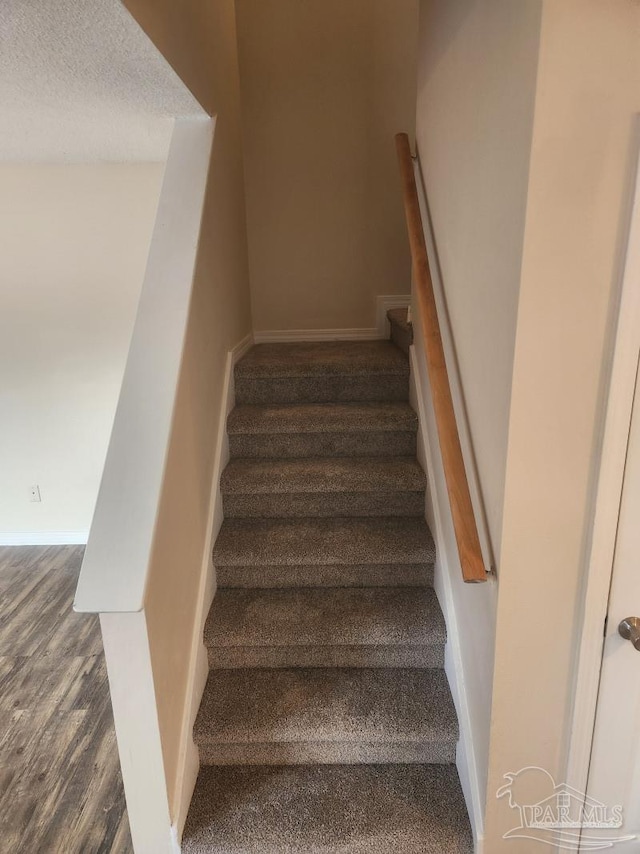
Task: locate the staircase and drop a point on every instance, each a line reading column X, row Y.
column 327, row 724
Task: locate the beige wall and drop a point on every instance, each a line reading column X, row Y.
column 199, row 40
column 584, row 147
column 476, row 89
column 325, row 86
column 74, row 241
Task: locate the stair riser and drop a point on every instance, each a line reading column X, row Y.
column 327, row 753
column 321, row 389
column 275, row 577
column 319, row 656
column 303, row 445
column 401, row 338
column 323, row 504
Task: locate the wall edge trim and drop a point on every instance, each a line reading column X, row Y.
column 44, row 538
column 198, row 667
column 466, row 762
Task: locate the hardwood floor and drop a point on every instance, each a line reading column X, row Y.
column 60, row 784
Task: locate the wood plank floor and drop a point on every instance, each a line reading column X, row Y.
column 60, row 784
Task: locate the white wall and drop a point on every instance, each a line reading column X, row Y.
column 198, row 37
column 528, row 135
column 476, row 90
column 583, row 159
column 73, row 248
column 121, row 561
column 326, row 84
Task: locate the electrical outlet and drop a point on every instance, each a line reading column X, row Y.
column 34, row 493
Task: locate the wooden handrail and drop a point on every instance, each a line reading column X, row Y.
column 464, row 522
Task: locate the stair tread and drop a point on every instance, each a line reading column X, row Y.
column 332, row 358
column 328, row 809
column 322, row 474
column 346, row 705
column 321, row 418
column 324, row 542
column 325, row 616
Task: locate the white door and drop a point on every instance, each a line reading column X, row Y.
column 614, row 773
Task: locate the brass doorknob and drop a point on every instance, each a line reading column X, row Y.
column 629, row 629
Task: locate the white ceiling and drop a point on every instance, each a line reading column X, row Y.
column 80, row 81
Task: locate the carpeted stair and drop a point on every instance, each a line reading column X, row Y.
column 401, row 328
column 327, row 724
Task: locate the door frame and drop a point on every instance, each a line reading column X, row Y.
column 606, row 506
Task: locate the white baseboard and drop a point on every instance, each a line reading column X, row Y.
column 465, row 755
column 44, row 538
column 176, row 848
column 290, row 336
column 380, row 330
column 241, row 348
column 385, row 304
column 198, row 664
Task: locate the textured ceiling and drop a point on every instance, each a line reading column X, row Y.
column 80, row 81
